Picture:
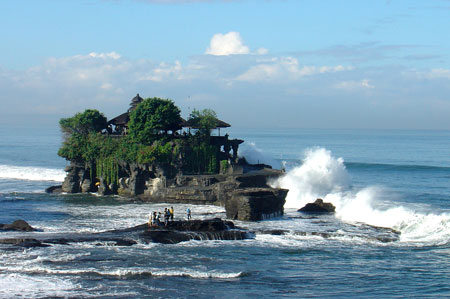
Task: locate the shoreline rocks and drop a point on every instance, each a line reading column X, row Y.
column 319, row 206
column 245, row 196
column 174, row 232
column 18, row 225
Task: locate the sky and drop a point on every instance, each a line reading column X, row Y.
column 258, row 63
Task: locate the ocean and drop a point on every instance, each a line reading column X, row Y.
column 379, row 180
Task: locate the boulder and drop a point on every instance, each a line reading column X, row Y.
column 318, row 207
column 18, row 225
column 54, row 189
column 254, row 204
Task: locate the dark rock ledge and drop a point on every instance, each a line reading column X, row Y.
column 18, row 225
column 319, row 206
column 175, row 232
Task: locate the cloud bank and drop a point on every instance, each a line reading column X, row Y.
column 257, row 90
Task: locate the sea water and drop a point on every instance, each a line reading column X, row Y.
column 376, row 178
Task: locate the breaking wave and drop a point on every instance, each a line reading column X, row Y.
column 190, row 273
column 323, row 176
column 31, row 173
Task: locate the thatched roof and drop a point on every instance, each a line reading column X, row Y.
column 190, row 124
column 120, row 120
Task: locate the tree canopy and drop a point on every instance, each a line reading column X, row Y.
column 204, row 120
column 90, row 120
column 152, row 116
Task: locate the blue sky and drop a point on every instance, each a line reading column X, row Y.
column 274, row 63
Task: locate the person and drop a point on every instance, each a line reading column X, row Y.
column 188, row 212
column 171, row 213
column 166, row 216
column 158, row 220
column 150, row 219
column 154, row 219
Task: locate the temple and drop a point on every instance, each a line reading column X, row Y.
column 180, row 163
column 227, row 149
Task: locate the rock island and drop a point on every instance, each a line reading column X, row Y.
column 150, row 152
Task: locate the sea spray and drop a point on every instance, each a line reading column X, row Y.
column 319, row 175
column 323, row 176
column 254, row 155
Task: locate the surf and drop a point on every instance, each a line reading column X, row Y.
column 321, row 175
column 31, row 173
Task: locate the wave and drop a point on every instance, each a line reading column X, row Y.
column 31, row 173
column 323, row 176
column 190, row 273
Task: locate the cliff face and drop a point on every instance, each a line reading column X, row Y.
column 245, row 196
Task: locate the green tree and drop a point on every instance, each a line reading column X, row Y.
column 204, row 120
column 90, row 120
column 152, row 116
column 79, row 131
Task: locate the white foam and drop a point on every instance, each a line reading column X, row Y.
column 196, row 274
column 183, row 272
column 24, row 286
column 323, row 176
column 31, row 173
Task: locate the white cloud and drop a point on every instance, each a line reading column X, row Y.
column 227, row 44
column 353, row 85
column 164, row 71
column 287, row 93
column 438, row 73
column 112, row 55
column 285, row 68
column 262, row 51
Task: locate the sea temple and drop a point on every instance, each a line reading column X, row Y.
column 151, row 153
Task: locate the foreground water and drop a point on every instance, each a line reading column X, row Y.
column 394, row 179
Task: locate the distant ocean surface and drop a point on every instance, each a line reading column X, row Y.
column 375, row 178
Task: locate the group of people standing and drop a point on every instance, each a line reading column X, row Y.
column 155, row 219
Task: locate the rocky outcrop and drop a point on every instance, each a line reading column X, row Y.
column 54, row 189
column 245, row 196
column 174, row 232
column 255, row 203
column 180, row 231
column 18, row 225
column 318, row 207
column 78, row 179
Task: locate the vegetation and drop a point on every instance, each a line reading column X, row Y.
column 79, row 131
column 151, row 117
column 147, row 141
column 90, row 120
column 204, row 120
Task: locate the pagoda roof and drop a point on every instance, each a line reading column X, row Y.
column 134, row 102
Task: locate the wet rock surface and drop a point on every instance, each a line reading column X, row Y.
column 18, row 225
column 319, row 206
column 174, row 232
column 246, row 196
